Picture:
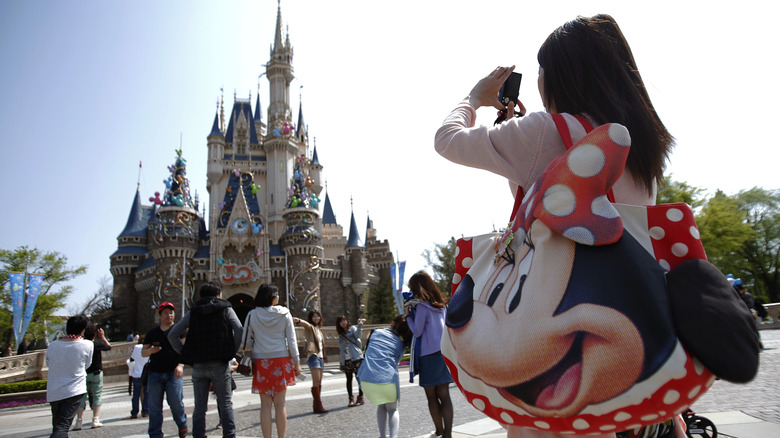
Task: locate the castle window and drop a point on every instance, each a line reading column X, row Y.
column 119, row 258
column 135, row 258
column 136, row 239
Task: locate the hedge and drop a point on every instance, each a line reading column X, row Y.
column 29, row 385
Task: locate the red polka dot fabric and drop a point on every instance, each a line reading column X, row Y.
column 571, row 195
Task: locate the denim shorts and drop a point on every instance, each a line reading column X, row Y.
column 315, row 362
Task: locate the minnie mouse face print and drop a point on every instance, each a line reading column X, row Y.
column 570, row 328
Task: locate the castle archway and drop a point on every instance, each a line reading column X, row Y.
column 242, row 304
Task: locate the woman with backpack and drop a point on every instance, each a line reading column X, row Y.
column 588, row 75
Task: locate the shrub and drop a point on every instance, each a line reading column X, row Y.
column 29, row 385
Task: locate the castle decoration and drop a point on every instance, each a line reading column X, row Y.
column 267, row 221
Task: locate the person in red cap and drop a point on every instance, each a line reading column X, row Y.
column 165, row 372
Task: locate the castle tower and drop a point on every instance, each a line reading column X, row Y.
column 280, row 144
column 175, row 239
column 131, row 252
column 356, row 274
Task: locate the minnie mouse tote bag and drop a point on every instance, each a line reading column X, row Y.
column 590, row 317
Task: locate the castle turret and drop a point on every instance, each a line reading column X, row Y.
column 175, row 239
column 216, row 146
column 302, row 241
column 356, row 264
column 131, row 252
column 316, row 171
column 280, row 144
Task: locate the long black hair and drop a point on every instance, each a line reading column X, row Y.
column 588, row 68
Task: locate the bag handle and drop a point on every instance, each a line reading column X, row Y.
column 246, row 329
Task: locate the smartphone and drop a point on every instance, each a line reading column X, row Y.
column 509, row 92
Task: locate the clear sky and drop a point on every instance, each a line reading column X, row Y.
column 90, row 88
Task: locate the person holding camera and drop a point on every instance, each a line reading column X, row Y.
column 588, row 75
column 350, row 354
column 94, row 376
column 425, row 314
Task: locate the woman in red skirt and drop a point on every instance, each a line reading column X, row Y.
column 275, row 356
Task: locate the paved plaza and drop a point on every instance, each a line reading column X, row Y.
column 744, row 411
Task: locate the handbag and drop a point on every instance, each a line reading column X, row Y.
column 245, row 362
column 245, row 366
column 588, row 317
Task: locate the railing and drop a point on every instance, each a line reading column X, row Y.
column 32, row 366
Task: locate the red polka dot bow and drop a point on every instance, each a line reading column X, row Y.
column 571, row 195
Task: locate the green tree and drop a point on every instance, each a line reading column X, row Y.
column 741, row 235
column 761, row 254
column 724, row 232
column 672, row 191
column 442, row 260
column 51, row 297
column 381, row 303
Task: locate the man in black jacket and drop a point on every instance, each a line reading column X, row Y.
column 213, row 338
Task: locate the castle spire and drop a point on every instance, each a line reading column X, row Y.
column 354, row 235
column 301, row 132
column 278, row 45
column 215, row 127
column 136, row 222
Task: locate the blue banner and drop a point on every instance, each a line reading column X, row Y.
column 401, row 267
column 392, row 276
column 16, row 281
column 32, row 297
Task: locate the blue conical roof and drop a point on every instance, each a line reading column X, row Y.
column 138, row 218
column 315, row 161
column 301, row 129
column 354, row 235
column 368, row 227
column 328, row 218
column 215, row 127
column 258, row 116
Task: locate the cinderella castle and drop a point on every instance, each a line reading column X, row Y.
column 267, row 222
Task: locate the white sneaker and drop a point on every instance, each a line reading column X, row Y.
column 77, row 426
column 96, row 423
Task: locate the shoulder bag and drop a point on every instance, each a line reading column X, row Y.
column 245, row 362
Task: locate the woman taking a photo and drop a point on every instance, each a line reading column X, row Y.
column 275, row 356
column 586, row 70
column 425, row 317
column 315, row 353
column 350, row 354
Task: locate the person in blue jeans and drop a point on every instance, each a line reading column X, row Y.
column 165, row 371
column 213, row 337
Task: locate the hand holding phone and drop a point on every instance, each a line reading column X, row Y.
column 509, row 93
